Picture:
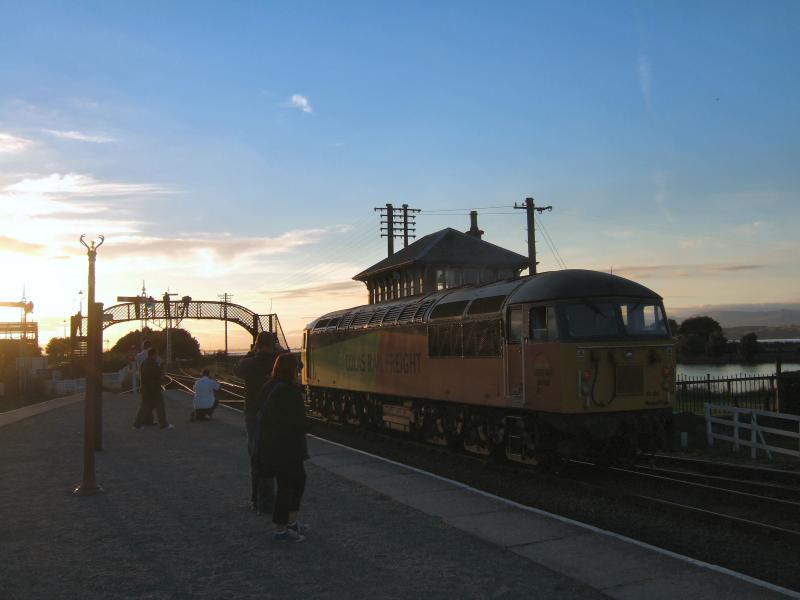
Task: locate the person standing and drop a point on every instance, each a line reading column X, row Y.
column 204, row 401
column 151, row 377
column 256, row 368
column 280, row 446
column 140, row 358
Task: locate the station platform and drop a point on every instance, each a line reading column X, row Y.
column 174, row 522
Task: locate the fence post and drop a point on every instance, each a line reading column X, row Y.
column 709, row 432
column 753, row 435
column 778, row 385
column 736, row 429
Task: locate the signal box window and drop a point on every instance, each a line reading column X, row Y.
column 543, row 324
column 515, row 324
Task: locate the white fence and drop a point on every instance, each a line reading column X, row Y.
column 727, row 417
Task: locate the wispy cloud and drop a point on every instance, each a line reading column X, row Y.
column 645, row 73
column 301, row 102
column 11, row 143
column 79, row 136
column 682, row 271
column 76, row 184
column 9, row 244
column 751, row 229
column 336, row 288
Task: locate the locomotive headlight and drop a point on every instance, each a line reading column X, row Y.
column 667, row 385
column 586, row 389
column 666, row 371
column 586, row 375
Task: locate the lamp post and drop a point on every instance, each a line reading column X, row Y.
column 92, row 414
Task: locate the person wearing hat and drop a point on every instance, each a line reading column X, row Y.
column 280, row 446
column 256, row 368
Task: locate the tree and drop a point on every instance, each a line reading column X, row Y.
column 748, row 347
column 702, row 326
column 58, row 347
column 716, row 344
column 184, row 345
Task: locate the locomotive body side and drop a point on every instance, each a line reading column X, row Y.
column 563, row 360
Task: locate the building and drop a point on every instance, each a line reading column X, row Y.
column 444, row 259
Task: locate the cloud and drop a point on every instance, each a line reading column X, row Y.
column 301, row 102
column 8, row 244
column 336, row 288
column 751, row 229
column 215, row 246
column 644, row 72
column 681, row 271
column 11, row 143
column 76, row 184
column 79, row 136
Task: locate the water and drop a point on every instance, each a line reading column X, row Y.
column 732, row 370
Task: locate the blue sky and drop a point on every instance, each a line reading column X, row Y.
column 241, row 147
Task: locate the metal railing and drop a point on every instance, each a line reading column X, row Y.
column 741, row 391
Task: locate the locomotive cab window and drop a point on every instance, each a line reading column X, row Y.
column 543, row 324
column 644, row 318
column 515, row 324
column 591, row 319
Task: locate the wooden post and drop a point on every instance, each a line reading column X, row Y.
column 709, row 430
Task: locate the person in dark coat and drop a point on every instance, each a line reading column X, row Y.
column 151, row 376
column 280, row 446
column 256, row 369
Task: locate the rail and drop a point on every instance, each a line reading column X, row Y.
column 727, row 417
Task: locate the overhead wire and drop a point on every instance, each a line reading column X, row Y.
column 550, row 243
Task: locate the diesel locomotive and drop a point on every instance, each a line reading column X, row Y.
column 561, row 363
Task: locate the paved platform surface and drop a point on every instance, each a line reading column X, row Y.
column 174, row 523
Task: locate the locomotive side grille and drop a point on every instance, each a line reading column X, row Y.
column 346, row 320
column 407, row 315
column 376, row 317
column 361, row 318
column 419, row 314
column 630, row 380
column 392, row 314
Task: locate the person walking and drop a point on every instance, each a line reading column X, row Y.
column 280, row 446
column 151, row 377
column 204, row 401
column 256, row 368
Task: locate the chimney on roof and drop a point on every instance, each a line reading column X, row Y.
column 473, row 225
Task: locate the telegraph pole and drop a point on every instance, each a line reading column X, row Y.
column 530, row 209
column 392, row 221
column 92, row 413
column 225, row 298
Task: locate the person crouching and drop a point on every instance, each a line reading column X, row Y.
column 281, row 446
column 204, row 401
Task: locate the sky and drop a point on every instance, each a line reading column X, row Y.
column 242, row 147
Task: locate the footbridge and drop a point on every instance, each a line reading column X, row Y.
column 170, row 313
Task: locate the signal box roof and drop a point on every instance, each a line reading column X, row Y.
column 447, row 247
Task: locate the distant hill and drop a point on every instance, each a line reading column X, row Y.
column 788, row 332
column 746, row 316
